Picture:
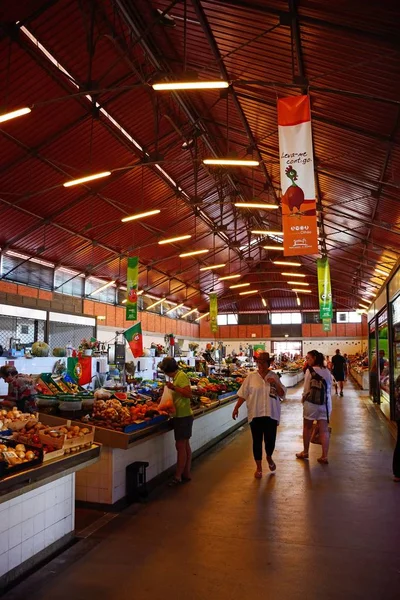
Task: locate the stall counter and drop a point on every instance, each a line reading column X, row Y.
column 361, row 377
column 105, row 482
column 37, row 512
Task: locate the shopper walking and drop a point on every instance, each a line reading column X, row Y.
column 179, row 384
column 338, row 369
column 261, row 391
column 316, row 412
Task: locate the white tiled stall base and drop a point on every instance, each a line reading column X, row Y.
column 31, row 522
column 105, row 482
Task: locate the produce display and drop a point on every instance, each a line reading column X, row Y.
column 40, row 349
column 15, row 456
column 15, row 420
column 112, row 414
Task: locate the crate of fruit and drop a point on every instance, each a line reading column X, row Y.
column 69, row 437
column 15, row 457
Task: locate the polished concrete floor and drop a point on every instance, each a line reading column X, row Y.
column 308, row 531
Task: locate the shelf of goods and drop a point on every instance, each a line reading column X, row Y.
column 131, row 429
column 37, row 491
column 290, row 378
column 361, row 376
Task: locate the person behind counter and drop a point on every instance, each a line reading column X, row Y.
column 183, row 420
column 21, row 388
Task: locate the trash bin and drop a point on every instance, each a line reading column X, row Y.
column 136, row 483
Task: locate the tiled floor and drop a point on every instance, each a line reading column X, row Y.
column 307, row 532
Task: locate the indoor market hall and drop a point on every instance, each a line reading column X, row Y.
column 304, row 531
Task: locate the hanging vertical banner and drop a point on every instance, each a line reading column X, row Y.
column 134, row 337
column 213, row 312
column 326, row 325
column 324, row 289
column 299, row 218
column 132, row 277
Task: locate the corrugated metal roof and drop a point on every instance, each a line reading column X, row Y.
column 350, row 58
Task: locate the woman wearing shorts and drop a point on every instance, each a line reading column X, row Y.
column 315, row 412
column 179, row 384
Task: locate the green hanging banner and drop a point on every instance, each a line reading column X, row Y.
column 213, row 313
column 132, row 277
column 324, row 289
column 326, row 325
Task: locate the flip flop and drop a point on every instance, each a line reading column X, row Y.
column 323, row 461
column 175, row 482
column 302, row 455
column 271, row 464
column 258, row 474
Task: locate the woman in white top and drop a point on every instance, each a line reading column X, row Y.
column 316, row 412
column 261, row 391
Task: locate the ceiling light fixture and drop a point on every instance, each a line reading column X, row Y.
column 273, row 247
column 381, row 272
column 298, row 301
column 190, row 85
column 258, row 205
column 142, row 215
column 297, row 283
column 202, row 316
column 14, row 114
column 366, row 306
column 263, row 232
column 189, row 313
column 174, row 239
column 175, row 308
column 103, row 287
column 212, row 267
column 301, row 291
column 248, row 292
column 238, row 285
column 87, row 178
column 155, row 303
column 226, row 277
column 286, row 263
column 264, row 302
column 368, row 293
column 231, row 162
column 293, row 274
column 185, row 254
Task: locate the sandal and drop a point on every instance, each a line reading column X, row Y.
column 271, row 464
column 323, row 461
column 302, row 455
column 175, row 482
column 258, row 474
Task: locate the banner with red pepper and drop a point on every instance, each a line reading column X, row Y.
column 299, row 218
column 132, row 277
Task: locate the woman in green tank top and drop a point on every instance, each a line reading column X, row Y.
column 179, row 384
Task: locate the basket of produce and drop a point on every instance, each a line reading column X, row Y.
column 15, row 419
column 70, row 438
column 15, row 457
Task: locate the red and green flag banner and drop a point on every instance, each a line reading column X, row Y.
column 324, row 290
column 80, row 369
column 299, row 217
column 132, row 277
column 213, row 313
column 134, row 337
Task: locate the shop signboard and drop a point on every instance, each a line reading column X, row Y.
column 324, row 289
column 132, row 278
column 213, row 313
column 299, row 216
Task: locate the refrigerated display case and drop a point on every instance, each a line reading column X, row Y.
column 383, row 362
column 396, row 356
column 373, row 369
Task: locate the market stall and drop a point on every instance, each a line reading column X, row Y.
column 37, row 491
column 132, row 429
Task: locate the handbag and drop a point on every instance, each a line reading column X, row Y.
column 317, row 393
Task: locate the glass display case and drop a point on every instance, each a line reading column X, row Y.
column 396, row 354
column 383, row 362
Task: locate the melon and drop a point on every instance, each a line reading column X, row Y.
column 40, row 349
column 59, row 352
